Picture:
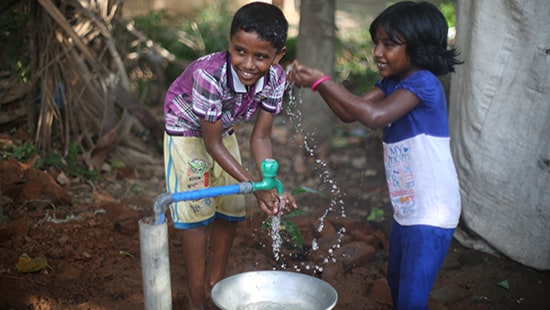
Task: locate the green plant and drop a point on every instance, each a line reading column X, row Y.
column 14, row 40
column 71, row 164
column 286, row 226
column 135, row 189
column 188, row 38
column 448, row 10
column 117, row 164
column 290, row 54
column 20, row 153
column 354, row 64
column 376, row 215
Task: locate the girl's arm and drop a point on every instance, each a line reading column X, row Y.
column 371, row 113
column 304, row 76
column 373, row 109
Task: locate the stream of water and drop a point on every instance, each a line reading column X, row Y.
column 336, row 203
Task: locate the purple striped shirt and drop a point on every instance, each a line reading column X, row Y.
column 208, row 88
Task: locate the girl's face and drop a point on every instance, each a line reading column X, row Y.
column 391, row 58
column 251, row 57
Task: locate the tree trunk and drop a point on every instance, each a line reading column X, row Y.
column 315, row 48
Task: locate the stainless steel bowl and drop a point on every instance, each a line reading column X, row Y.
column 261, row 290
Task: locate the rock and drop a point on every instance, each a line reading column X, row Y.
column 383, row 238
column 354, row 254
column 23, row 183
column 451, row 263
column 434, row 304
column 125, row 220
column 449, row 294
column 366, row 235
column 15, row 228
column 350, row 224
column 381, row 292
column 333, row 271
column 471, row 258
column 328, row 229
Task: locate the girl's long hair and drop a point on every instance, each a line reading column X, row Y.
column 424, row 29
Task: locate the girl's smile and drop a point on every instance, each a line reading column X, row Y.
column 391, row 57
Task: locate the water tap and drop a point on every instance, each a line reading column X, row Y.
column 269, row 169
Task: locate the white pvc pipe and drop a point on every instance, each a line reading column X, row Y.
column 155, row 264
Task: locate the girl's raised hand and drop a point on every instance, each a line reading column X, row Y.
column 303, row 76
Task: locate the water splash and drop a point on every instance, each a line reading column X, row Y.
column 274, row 231
column 336, row 202
column 275, row 234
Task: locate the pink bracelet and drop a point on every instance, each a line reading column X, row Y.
column 319, row 81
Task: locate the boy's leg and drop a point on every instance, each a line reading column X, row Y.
column 424, row 249
column 187, row 166
column 221, row 239
column 194, row 248
column 230, row 210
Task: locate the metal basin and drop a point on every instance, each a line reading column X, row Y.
column 273, row 290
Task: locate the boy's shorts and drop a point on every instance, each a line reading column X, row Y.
column 188, row 166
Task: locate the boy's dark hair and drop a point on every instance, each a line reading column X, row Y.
column 424, row 29
column 263, row 18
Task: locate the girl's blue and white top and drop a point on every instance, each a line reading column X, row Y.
column 420, row 172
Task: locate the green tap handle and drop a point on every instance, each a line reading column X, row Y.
column 269, row 169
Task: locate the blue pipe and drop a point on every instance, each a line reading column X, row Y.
column 268, row 168
column 166, row 198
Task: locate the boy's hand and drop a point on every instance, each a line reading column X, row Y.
column 268, row 201
column 271, row 203
column 287, row 203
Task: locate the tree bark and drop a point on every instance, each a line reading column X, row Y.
column 315, row 48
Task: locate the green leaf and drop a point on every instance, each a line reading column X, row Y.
column 304, row 189
column 376, row 215
column 294, row 213
column 295, row 233
column 504, row 284
column 266, row 224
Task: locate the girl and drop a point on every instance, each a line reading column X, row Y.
column 410, row 49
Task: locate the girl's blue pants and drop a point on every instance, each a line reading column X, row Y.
column 415, row 256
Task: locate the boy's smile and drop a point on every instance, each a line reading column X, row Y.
column 252, row 57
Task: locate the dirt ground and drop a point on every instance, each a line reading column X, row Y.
column 84, row 238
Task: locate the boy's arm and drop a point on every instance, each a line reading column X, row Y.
column 260, row 143
column 260, row 140
column 268, row 201
column 212, row 136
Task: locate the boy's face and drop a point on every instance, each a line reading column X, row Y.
column 251, row 57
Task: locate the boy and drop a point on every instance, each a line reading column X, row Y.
column 200, row 147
